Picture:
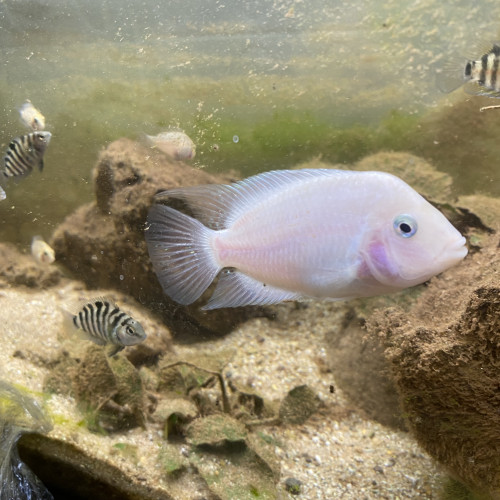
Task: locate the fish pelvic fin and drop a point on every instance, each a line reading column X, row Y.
column 114, row 350
column 181, row 254
column 236, row 289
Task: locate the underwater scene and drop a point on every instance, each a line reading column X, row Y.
column 249, row 250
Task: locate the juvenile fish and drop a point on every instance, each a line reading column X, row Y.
column 104, row 323
column 480, row 77
column 288, row 235
column 174, row 143
column 31, row 117
column 24, row 154
column 41, row 251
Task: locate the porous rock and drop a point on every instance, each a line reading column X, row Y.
column 102, row 242
column 444, row 353
column 109, row 390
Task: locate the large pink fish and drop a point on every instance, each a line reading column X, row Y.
column 292, row 234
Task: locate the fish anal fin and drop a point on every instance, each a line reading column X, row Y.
column 473, row 88
column 115, row 349
column 236, row 289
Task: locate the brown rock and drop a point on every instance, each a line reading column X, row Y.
column 445, row 357
column 109, row 390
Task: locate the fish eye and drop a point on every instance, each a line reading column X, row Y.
column 130, row 330
column 405, row 225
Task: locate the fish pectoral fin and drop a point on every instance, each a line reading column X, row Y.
column 236, row 289
column 115, row 349
column 40, row 165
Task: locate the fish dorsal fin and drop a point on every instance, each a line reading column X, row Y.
column 479, row 48
column 218, row 206
column 77, row 305
column 101, row 298
column 236, row 289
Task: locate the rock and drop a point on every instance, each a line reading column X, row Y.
column 174, row 415
column 292, row 485
column 299, row 404
column 445, row 359
column 215, row 430
column 103, row 244
column 109, row 390
column 80, row 475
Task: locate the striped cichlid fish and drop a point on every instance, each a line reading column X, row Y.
column 292, row 234
column 24, row 154
column 480, row 77
column 103, row 322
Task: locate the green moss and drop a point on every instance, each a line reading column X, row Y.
column 454, row 490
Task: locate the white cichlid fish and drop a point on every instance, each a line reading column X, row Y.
column 174, row 143
column 292, row 234
column 31, row 117
column 41, row 251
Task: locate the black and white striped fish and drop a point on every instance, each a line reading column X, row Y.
column 480, row 77
column 103, row 322
column 24, row 154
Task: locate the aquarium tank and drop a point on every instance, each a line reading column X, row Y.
column 249, row 250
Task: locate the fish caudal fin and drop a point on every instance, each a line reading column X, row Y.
column 70, row 327
column 452, row 76
column 181, row 254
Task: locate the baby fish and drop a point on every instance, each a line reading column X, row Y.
column 103, row 322
column 480, row 77
column 174, row 143
column 31, row 117
column 25, row 153
column 41, row 251
column 294, row 234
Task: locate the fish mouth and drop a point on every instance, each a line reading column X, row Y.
column 457, row 250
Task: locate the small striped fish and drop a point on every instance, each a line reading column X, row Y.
column 481, row 76
column 24, row 154
column 103, row 322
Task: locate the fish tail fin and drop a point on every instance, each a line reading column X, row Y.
column 452, row 76
column 69, row 325
column 179, row 248
column 70, row 328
